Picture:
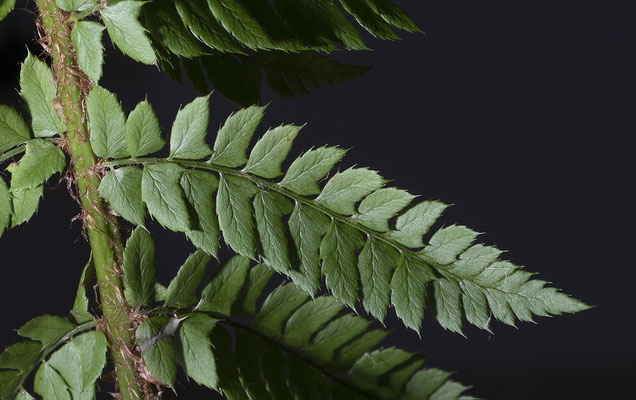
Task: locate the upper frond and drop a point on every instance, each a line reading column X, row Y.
column 364, row 238
column 191, row 28
column 286, row 346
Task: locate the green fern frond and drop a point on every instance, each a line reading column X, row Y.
column 364, row 238
column 238, row 26
column 287, row 345
column 67, row 360
column 42, row 157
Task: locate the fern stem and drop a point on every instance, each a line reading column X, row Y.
column 7, row 155
column 101, row 227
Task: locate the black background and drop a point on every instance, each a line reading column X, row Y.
column 521, row 113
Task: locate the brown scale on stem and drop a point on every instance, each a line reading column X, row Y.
column 119, row 320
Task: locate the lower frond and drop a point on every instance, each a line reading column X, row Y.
column 286, row 345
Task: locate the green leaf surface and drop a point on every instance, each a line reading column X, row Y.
column 126, row 32
column 234, row 136
column 143, row 134
column 182, row 291
column 50, row 385
column 270, row 209
column 75, row 5
column 13, row 129
column 304, row 173
column 377, row 261
column 6, row 207
column 408, row 288
column 309, row 318
column 228, row 372
column 9, row 383
column 447, row 243
column 356, row 348
column 194, row 349
column 198, row 188
column 220, row 293
column 80, row 363
column 139, row 268
column 449, row 391
column 279, row 306
column 307, row 227
column 205, row 27
column 271, row 150
column 369, row 19
column 162, row 193
column 235, row 211
column 168, row 30
column 448, row 310
column 122, row 188
column 47, row 329
column 334, row 19
column 415, row 222
column 6, row 6
column 392, row 13
column 257, row 279
column 338, row 252
column 20, row 356
column 23, row 395
column 41, row 160
column 87, row 39
column 377, row 208
column 249, row 349
column 237, row 19
column 38, row 88
column 424, row 383
column 25, row 204
column 345, row 189
column 335, row 334
column 158, row 349
column 370, row 367
column 80, row 312
column 107, row 124
column 187, row 139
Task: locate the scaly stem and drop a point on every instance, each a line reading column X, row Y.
column 101, row 227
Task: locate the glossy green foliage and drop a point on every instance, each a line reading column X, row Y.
column 365, row 239
column 287, row 344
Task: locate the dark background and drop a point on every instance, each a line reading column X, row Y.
column 521, row 113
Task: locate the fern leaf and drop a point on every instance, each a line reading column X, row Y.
column 6, row 6
column 143, row 134
column 107, row 124
column 62, row 372
column 287, row 345
column 139, row 268
column 367, row 240
column 38, row 88
column 6, row 207
column 87, row 39
column 13, row 129
column 126, row 32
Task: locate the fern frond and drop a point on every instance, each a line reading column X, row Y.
column 58, row 375
column 364, row 238
column 191, row 28
column 287, row 344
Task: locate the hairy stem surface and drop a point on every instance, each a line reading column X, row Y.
column 101, row 227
